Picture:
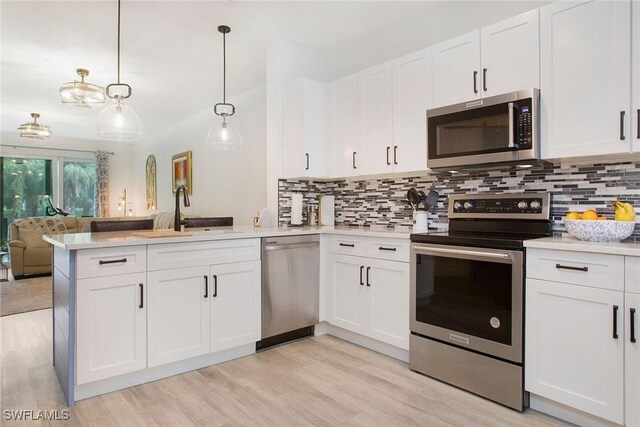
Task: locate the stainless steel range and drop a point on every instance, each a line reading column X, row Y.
column 467, row 294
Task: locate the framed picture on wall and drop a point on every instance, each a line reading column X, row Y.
column 181, row 171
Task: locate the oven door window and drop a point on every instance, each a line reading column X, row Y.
column 467, row 296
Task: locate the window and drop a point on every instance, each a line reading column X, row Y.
column 79, row 188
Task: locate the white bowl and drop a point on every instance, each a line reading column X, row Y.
column 599, row 231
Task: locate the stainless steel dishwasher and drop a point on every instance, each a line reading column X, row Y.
column 290, row 288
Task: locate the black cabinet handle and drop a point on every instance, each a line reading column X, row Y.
column 353, row 159
column 475, row 84
column 388, row 162
column 215, row 286
column 368, row 268
column 632, row 328
column 206, row 286
column 484, row 79
column 382, row 248
column 570, row 267
column 622, row 138
column 395, row 154
column 112, row 261
column 141, row 305
column 361, row 281
column 307, row 156
column 638, row 123
column 348, row 245
column 615, row 322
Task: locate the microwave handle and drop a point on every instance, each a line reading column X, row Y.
column 512, row 143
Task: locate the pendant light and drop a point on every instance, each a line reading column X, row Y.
column 117, row 120
column 221, row 136
column 81, row 93
column 35, row 129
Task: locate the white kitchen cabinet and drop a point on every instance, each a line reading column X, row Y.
column 411, row 99
column 635, row 83
column 343, row 126
column 375, row 109
column 305, row 128
column 387, row 303
column 235, row 304
column 500, row 58
column 571, row 354
column 178, row 314
column 346, row 293
column 585, row 78
column 632, row 358
column 111, row 326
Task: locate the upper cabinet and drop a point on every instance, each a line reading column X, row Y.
column 500, row 58
column 635, row 72
column 343, row 126
column 585, row 78
column 304, row 130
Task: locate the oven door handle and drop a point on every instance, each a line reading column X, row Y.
column 479, row 254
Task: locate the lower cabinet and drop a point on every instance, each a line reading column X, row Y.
column 632, row 359
column 111, row 326
column 370, row 297
column 574, row 347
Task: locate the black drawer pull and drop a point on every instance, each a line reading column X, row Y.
column 141, row 285
column 395, row 154
column 206, row 286
column 348, row 245
column 484, row 79
column 632, row 329
column 475, row 85
column 215, row 286
column 622, row 138
column 368, row 268
column 382, row 248
column 353, row 160
column 569, row 267
column 388, row 162
column 615, row 322
column 113, row 261
column 361, row 281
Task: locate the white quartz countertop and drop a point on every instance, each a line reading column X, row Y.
column 568, row 243
column 75, row 241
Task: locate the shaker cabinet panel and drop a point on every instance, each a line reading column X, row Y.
column 345, row 296
column 635, row 83
column 343, row 127
column 632, row 359
column 456, row 70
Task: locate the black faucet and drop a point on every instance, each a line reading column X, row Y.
column 177, row 224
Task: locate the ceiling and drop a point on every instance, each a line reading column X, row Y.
column 171, row 51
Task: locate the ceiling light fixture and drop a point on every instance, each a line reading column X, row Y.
column 117, row 120
column 220, row 135
column 35, row 129
column 81, row 93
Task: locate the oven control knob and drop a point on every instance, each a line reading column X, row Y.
column 522, row 205
column 457, row 206
column 468, row 205
column 535, row 205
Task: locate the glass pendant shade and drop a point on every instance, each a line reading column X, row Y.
column 34, row 129
column 119, row 122
column 81, row 93
column 223, row 137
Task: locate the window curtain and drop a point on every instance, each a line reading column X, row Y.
column 102, row 184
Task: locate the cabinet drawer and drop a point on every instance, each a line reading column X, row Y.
column 579, row 268
column 111, row 261
column 632, row 273
column 347, row 245
column 192, row 254
column 390, row 249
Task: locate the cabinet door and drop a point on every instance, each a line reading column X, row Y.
column 178, row 307
column 345, row 296
column 387, row 303
column 343, row 118
column 293, row 130
column 111, row 326
column 635, row 72
column 511, row 55
column 235, row 304
column 411, row 99
column 571, row 355
column 456, row 70
column 632, row 359
column 585, row 78
column 375, row 97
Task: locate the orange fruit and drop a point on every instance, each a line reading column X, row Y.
column 573, row 215
column 590, row 214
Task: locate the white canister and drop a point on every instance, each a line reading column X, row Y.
column 420, row 221
column 296, row 209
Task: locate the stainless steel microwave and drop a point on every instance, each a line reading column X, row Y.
column 485, row 132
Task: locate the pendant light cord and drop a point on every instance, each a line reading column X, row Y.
column 224, row 67
column 119, row 41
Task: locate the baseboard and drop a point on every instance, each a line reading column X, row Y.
column 120, row 382
column 566, row 413
column 375, row 345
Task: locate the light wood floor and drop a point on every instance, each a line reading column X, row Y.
column 316, row 381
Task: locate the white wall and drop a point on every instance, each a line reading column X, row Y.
column 120, row 164
column 225, row 183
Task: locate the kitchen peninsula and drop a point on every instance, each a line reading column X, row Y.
column 131, row 309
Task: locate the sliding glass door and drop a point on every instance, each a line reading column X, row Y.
column 79, row 187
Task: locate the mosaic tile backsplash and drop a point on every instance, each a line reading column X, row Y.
column 383, row 201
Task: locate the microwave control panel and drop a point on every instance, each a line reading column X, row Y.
column 524, row 124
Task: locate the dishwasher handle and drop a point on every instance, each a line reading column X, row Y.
column 291, row 246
